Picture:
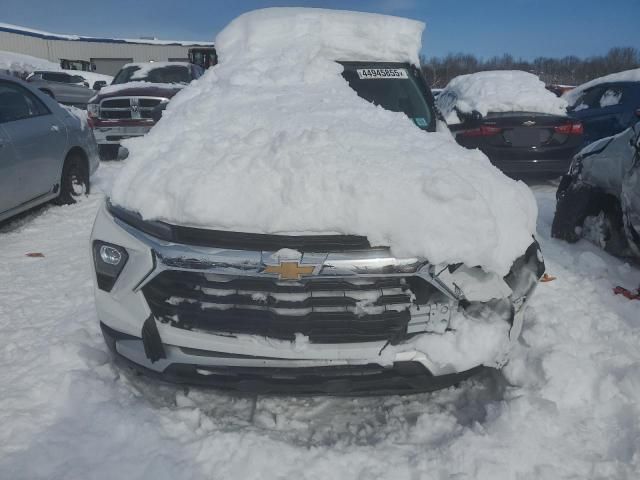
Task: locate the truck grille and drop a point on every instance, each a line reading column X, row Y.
column 325, row 310
column 129, row 108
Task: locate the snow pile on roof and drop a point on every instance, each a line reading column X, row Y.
column 498, row 91
column 25, row 64
column 274, row 140
column 60, row 36
column 627, row 76
column 144, row 68
column 333, row 35
column 17, row 62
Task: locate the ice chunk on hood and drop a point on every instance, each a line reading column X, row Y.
column 273, row 140
column 498, row 91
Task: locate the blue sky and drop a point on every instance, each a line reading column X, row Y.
column 526, row 28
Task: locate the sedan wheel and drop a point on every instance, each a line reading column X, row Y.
column 74, row 184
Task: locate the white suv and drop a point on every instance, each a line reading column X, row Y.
column 301, row 305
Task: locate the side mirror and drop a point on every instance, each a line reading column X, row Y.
column 86, row 84
column 470, row 119
column 99, row 84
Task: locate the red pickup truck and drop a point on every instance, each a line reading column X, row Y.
column 134, row 101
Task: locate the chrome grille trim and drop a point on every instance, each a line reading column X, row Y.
column 134, row 111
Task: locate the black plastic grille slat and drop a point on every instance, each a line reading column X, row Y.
column 330, row 327
column 116, row 103
column 240, row 240
column 270, row 301
column 178, row 298
column 172, row 279
column 148, row 102
column 115, row 114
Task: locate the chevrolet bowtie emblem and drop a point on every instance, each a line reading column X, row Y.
column 290, row 270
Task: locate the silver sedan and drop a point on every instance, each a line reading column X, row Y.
column 65, row 88
column 47, row 152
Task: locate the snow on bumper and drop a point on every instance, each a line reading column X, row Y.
column 422, row 313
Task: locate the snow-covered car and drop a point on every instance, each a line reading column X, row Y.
column 47, row 152
column 510, row 115
column 600, row 197
column 134, row 101
column 606, row 105
column 300, row 221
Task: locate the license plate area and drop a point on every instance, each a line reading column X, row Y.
column 526, row 137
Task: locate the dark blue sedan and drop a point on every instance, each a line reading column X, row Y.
column 606, row 109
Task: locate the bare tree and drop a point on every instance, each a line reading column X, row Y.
column 569, row 70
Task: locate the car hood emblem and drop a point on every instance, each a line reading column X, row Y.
column 529, row 123
column 290, row 270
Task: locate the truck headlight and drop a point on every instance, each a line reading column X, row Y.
column 93, row 109
column 109, row 260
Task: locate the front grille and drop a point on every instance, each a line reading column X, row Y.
column 116, row 103
column 324, row 310
column 128, row 108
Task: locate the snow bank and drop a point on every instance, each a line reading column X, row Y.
column 627, row 76
column 17, row 62
column 498, row 91
column 273, row 140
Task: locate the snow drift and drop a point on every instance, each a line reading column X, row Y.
column 498, row 91
column 273, row 140
column 23, row 64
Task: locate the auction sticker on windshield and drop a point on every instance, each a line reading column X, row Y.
column 371, row 73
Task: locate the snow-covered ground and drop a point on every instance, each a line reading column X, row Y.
column 567, row 407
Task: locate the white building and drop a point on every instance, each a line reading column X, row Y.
column 106, row 55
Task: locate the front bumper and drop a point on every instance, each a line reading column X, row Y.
column 246, row 362
column 114, row 134
column 245, row 374
column 548, row 167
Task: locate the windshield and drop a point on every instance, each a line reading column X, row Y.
column 163, row 74
column 394, row 87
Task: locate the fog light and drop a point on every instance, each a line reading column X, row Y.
column 109, row 260
column 110, row 255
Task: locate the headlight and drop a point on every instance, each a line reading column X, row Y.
column 109, row 260
column 93, row 109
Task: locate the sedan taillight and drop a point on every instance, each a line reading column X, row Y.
column 482, row 131
column 575, row 128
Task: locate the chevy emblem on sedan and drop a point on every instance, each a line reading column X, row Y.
column 529, row 123
column 290, row 270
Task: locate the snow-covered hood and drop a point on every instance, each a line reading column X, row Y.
column 166, row 90
column 273, row 140
column 498, row 91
